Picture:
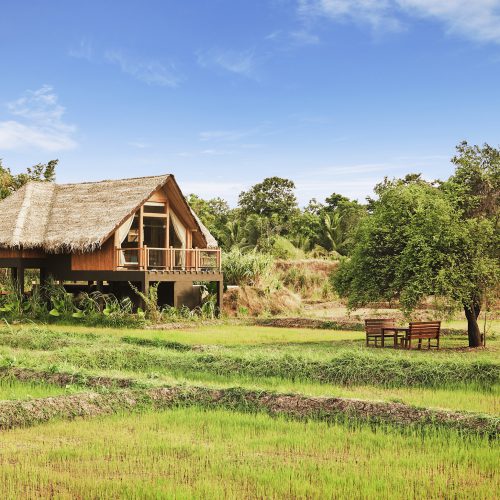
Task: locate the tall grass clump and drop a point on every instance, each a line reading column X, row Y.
column 305, row 281
column 245, row 268
column 285, row 249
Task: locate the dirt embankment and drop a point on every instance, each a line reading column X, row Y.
column 295, row 281
column 64, row 379
column 91, row 404
column 255, row 301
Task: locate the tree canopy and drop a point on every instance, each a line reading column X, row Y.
column 10, row 182
column 273, row 196
column 422, row 239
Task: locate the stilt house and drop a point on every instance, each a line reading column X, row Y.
column 107, row 234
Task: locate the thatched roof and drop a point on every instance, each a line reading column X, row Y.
column 76, row 217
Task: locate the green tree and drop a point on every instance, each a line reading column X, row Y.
column 474, row 190
column 10, row 182
column 214, row 213
column 272, row 198
column 415, row 245
column 332, row 231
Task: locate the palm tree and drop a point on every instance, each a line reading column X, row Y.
column 332, row 230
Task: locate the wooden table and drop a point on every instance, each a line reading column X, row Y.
column 394, row 333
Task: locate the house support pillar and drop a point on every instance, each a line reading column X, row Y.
column 18, row 278
column 144, row 289
column 43, row 277
column 220, row 293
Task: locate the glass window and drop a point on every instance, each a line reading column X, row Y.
column 153, row 207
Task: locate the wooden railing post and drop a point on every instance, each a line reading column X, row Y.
column 146, row 258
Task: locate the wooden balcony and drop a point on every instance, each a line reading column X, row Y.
column 168, row 259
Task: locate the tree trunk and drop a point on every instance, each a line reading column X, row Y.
column 472, row 313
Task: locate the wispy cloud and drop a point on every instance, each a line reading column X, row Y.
column 242, row 62
column 204, row 152
column 148, row 70
column 225, row 135
column 38, row 123
column 376, row 13
column 152, row 72
column 475, row 19
column 304, row 37
column 293, row 39
column 139, row 144
column 227, row 190
column 83, row 50
column 215, row 152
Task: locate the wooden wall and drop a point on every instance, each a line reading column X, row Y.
column 99, row 260
column 11, row 253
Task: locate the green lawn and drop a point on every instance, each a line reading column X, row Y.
column 191, row 453
column 222, row 334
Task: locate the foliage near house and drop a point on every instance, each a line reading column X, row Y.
column 10, row 182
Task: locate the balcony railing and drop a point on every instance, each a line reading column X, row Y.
column 168, row 259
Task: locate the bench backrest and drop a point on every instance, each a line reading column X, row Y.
column 374, row 326
column 425, row 329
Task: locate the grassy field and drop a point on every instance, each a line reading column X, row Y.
column 195, row 452
column 15, row 389
column 188, row 453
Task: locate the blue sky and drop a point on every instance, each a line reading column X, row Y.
column 333, row 94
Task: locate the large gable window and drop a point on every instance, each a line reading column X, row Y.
column 154, row 237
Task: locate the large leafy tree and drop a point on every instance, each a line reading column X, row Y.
column 10, row 182
column 414, row 245
column 272, row 198
column 214, row 213
column 474, row 190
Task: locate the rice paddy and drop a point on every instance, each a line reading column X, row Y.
column 12, row 389
column 202, row 451
column 192, row 453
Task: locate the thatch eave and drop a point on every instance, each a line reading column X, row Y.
column 82, row 217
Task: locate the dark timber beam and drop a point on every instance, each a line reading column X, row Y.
column 220, row 294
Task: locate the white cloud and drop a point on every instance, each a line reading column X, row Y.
column 475, row 19
column 39, row 123
column 151, row 72
column 241, row 62
column 376, row 13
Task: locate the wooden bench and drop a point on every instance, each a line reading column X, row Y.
column 422, row 330
column 373, row 329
